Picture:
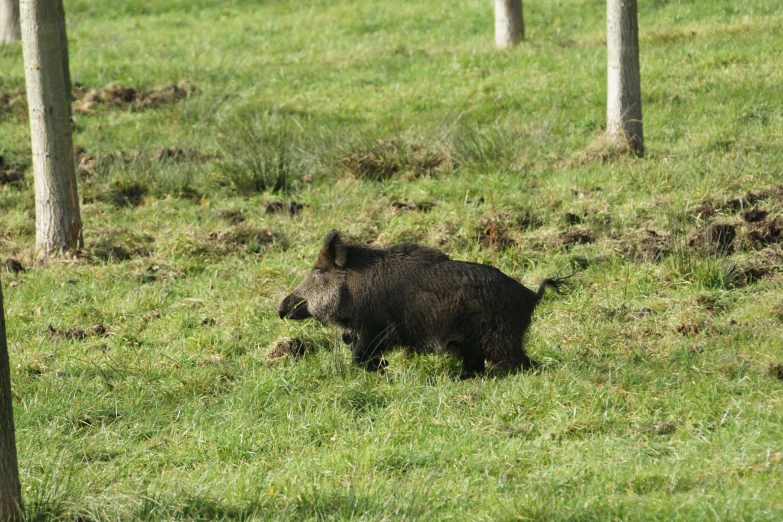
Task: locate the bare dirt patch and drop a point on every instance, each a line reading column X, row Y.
column 87, row 99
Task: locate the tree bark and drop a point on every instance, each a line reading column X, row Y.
column 58, row 225
column 10, row 490
column 509, row 23
column 9, row 21
column 64, row 55
column 624, row 93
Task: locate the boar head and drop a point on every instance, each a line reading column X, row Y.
column 322, row 294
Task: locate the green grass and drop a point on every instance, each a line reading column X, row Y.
column 348, row 107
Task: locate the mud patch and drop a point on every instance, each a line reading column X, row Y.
column 10, row 174
column 288, row 346
column 87, row 99
column 14, row 266
column 291, row 208
column 492, row 234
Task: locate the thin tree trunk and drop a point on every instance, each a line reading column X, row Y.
column 58, row 223
column 509, row 23
column 9, row 21
column 10, row 490
column 624, row 93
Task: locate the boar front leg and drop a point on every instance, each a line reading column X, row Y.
column 472, row 361
column 366, row 349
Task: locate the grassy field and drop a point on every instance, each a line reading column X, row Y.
column 145, row 370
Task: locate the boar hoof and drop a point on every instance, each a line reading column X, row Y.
column 349, row 337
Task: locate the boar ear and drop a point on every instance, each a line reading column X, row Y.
column 334, row 249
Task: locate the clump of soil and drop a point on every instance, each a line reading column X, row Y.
column 407, row 204
column 14, row 266
column 754, row 215
column 288, row 346
column 659, row 428
column 766, row 233
column 648, row 247
column 763, row 264
column 248, row 237
column 87, row 164
column 708, row 208
column 118, row 244
column 163, row 273
column 234, row 217
column 14, row 101
column 125, row 193
column 601, row 150
column 97, row 330
column 87, row 99
column 381, row 159
column 572, row 218
column 714, row 239
column 776, row 371
column 9, row 173
column 291, row 208
column 492, row 234
column 576, row 236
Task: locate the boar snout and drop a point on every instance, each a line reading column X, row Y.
column 293, row 307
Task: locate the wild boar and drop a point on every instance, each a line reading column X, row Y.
column 417, row 297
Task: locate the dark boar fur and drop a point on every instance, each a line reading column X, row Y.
column 413, row 296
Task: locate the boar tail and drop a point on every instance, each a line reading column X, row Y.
column 555, row 283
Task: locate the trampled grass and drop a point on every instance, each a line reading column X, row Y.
column 660, row 392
